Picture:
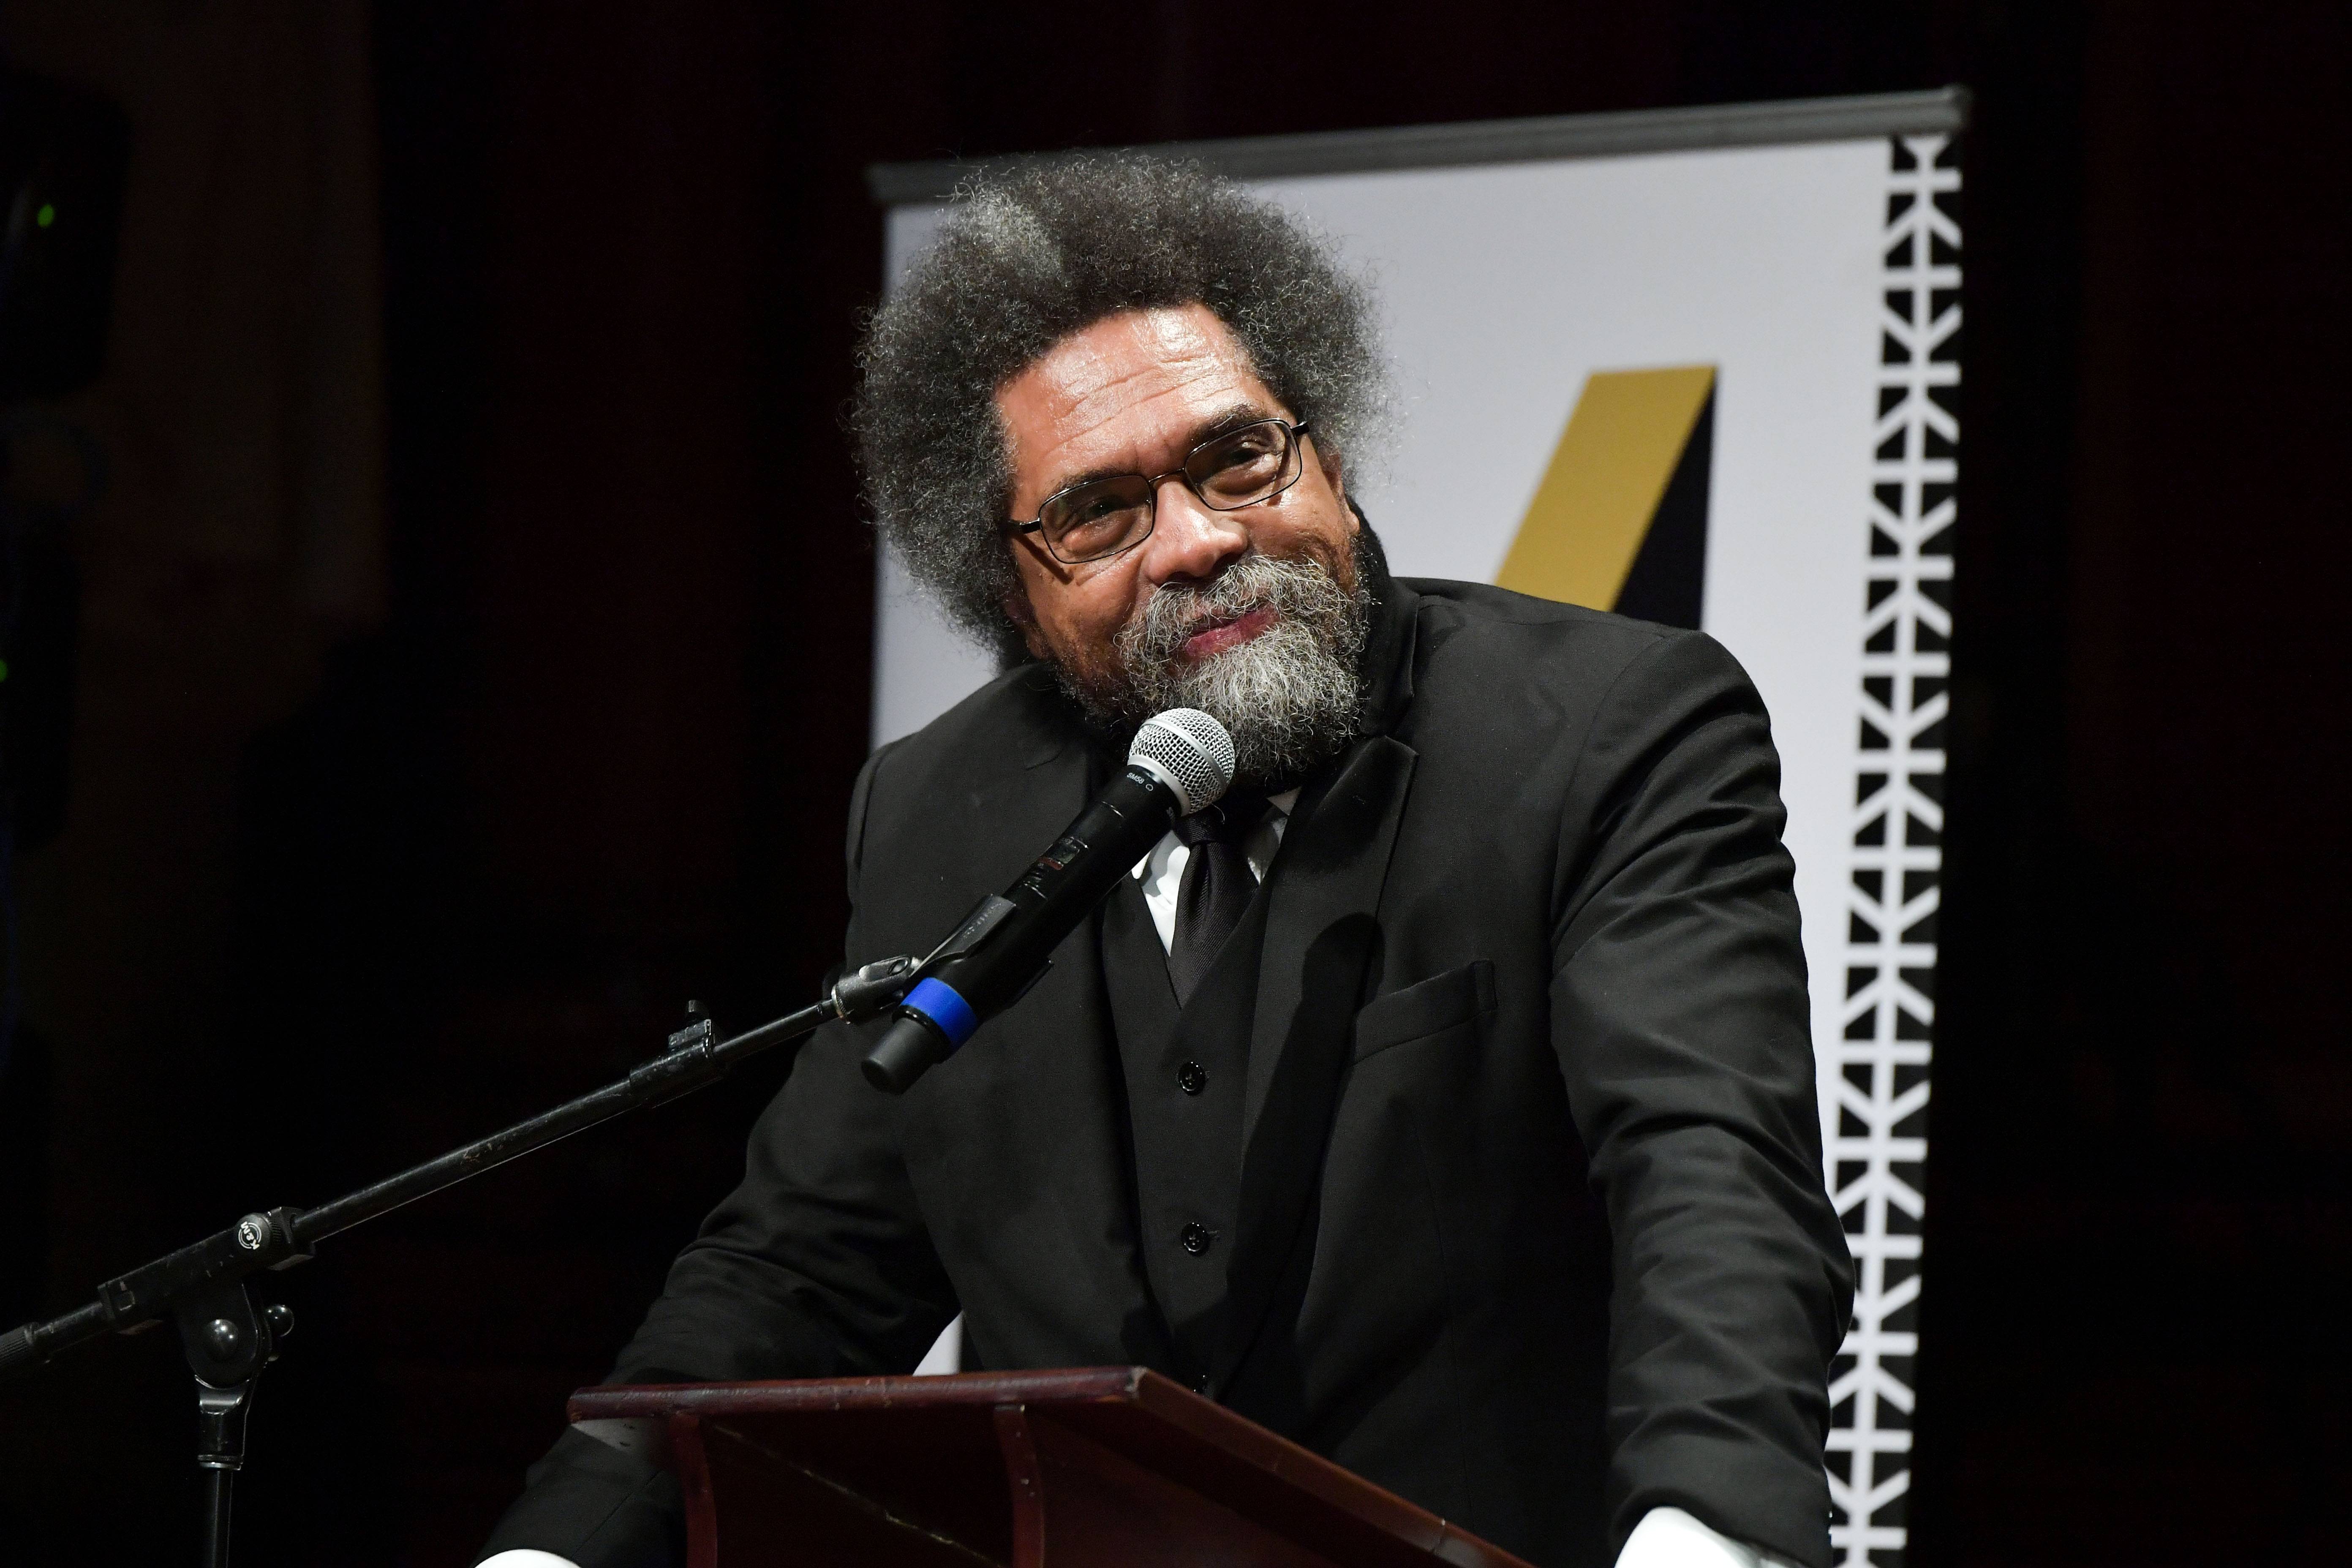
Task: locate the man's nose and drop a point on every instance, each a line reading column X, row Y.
column 1190, row 540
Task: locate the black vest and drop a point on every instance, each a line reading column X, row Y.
column 1187, row 1072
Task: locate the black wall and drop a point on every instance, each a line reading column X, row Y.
column 594, row 760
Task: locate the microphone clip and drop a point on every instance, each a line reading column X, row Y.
column 872, row 990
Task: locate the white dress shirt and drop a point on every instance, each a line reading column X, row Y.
column 1666, row 1537
column 1162, row 872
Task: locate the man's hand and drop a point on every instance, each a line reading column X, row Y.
column 1666, row 1538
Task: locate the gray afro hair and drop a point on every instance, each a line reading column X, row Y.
column 1025, row 260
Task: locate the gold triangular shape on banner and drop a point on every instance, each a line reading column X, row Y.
column 1590, row 514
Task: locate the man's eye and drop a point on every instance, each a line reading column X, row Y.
column 1250, row 447
column 1083, row 508
column 1092, row 522
column 1238, row 471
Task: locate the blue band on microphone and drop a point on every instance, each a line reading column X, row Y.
column 938, row 1001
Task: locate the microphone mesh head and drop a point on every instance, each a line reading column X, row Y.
column 1191, row 751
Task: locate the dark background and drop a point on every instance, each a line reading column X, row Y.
column 349, row 873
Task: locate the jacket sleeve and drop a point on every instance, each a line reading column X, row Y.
column 817, row 1266
column 1680, row 1018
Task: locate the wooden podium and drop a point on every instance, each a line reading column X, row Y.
column 1033, row 1470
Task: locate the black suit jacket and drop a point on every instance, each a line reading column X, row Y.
column 1531, row 1226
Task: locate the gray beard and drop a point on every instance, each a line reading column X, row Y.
column 1290, row 696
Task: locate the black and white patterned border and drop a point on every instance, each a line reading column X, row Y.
column 1877, row 1148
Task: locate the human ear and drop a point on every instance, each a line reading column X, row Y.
column 1334, row 467
column 1333, row 476
column 1023, row 616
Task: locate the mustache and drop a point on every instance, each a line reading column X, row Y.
column 1293, row 589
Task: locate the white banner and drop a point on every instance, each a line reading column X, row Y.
column 1720, row 383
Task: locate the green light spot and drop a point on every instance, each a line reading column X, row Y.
column 4, row 669
column 46, row 215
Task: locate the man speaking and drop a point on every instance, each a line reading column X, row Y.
column 1442, row 1099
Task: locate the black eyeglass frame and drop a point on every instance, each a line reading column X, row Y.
column 1295, row 432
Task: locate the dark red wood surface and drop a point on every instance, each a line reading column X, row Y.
column 1032, row 1469
column 1076, row 1501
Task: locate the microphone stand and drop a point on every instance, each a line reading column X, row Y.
column 228, row 1338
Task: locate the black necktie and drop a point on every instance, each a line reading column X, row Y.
column 1217, row 886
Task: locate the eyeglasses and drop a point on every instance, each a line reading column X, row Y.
column 1102, row 518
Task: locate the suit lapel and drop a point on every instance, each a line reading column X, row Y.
column 1322, row 944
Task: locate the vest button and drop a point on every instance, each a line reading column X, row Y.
column 1195, row 1237
column 1191, row 1078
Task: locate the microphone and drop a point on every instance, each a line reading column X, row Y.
column 1181, row 761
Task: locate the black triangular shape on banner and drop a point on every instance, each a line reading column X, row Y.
column 1669, row 574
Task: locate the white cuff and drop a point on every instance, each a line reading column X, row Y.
column 1669, row 1537
column 526, row 1557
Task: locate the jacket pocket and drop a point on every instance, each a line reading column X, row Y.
column 1427, row 1007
